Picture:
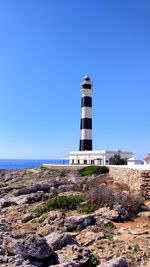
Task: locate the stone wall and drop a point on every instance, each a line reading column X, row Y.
column 137, row 180
column 131, row 177
column 145, row 186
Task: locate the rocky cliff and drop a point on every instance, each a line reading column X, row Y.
column 56, row 217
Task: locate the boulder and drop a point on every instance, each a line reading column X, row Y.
column 35, row 197
column 144, row 214
column 58, row 240
column 123, row 213
column 66, row 264
column 20, row 200
column 4, row 227
column 6, row 202
column 13, row 201
column 33, row 189
column 66, row 188
column 10, row 244
column 73, row 255
column 55, row 217
column 20, row 261
column 118, row 262
column 78, row 222
column 35, row 246
column 27, row 217
column 100, row 221
column 31, row 246
column 107, row 213
column 89, row 235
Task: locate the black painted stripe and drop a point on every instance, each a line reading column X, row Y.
column 87, row 86
column 86, row 101
column 85, row 145
column 86, row 123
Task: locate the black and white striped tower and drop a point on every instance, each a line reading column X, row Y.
column 86, row 114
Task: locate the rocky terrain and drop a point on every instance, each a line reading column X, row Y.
column 39, row 228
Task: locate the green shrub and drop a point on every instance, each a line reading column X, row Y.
column 93, row 261
column 49, row 170
column 61, row 202
column 87, row 171
column 27, row 172
column 108, row 230
column 87, row 209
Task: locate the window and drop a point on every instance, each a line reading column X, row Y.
column 72, row 161
column 92, row 162
column 85, row 161
column 78, row 161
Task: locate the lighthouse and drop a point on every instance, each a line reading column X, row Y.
column 85, row 155
column 86, row 114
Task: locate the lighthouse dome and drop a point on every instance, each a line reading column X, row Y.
column 87, row 77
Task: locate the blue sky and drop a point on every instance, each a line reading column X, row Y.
column 46, row 47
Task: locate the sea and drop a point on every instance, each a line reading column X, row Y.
column 11, row 164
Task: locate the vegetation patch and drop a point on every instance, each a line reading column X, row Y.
column 87, row 209
column 50, row 171
column 133, row 251
column 108, row 230
column 127, row 205
column 27, row 172
column 90, row 170
column 61, row 202
column 117, row 160
column 93, row 261
column 100, row 197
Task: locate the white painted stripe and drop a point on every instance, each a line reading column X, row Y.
column 85, row 134
column 86, row 112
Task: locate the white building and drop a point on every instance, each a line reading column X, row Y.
column 96, row 157
column 133, row 161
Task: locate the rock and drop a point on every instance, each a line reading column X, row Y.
column 107, row 213
column 66, row 188
column 100, row 221
column 78, row 222
column 88, row 236
column 55, row 217
column 4, row 227
column 7, row 202
column 33, row 189
column 10, row 244
column 35, row 246
column 144, row 214
column 13, row 201
column 138, row 232
column 20, row 200
column 73, row 255
column 31, row 246
column 59, row 240
column 118, row 262
column 123, row 213
column 54, row 229
column 27, row 217
column 27, row 263
column 66, row 264
column 35, row 197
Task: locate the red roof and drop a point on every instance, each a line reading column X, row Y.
column 147, row 158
